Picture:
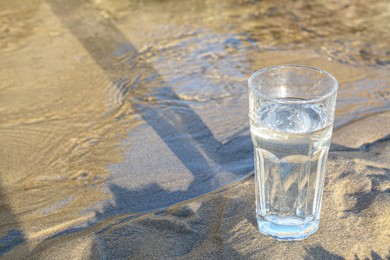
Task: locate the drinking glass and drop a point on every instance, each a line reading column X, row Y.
column 291, row 111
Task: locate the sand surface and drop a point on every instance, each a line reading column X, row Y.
column 355, row 219
column 116, row 116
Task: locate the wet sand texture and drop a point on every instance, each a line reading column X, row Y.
column 355, row 222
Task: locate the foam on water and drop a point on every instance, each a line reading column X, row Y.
column 294, row 118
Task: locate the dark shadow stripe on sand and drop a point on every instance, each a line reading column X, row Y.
column 101, row 39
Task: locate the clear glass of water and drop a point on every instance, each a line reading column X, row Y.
column 291, row 111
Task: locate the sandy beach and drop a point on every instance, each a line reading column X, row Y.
column 355, row 220
column 124, row 130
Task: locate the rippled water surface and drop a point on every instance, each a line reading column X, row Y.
column 114, row 108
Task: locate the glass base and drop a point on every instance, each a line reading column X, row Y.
column 288, row 229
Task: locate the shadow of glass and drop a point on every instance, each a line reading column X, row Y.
column 318, row 252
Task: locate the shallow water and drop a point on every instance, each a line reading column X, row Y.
column 109, row 108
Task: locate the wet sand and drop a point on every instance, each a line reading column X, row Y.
column 355, row 222
column 109, row 134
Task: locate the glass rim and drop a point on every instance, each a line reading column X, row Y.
column 299, row 101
